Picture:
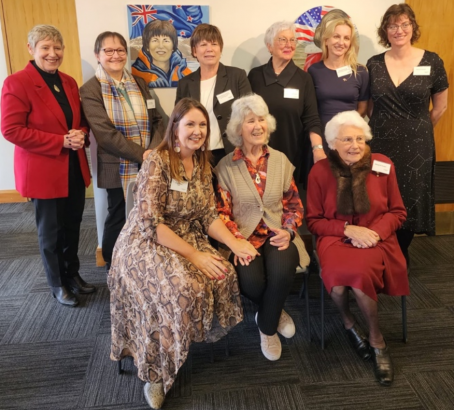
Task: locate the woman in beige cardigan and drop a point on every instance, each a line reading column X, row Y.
column 258, row 200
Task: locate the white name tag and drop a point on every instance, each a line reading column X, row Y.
column 381, row 167
column 422, row 70
column 179, row 186
column 291, row 93
column 151, row 104
column 345, row 70
column 225, row 96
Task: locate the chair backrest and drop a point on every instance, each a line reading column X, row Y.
column 129, row 196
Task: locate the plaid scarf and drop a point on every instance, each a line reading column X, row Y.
column 131, row 120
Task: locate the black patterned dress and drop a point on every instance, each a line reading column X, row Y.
column 403, row 131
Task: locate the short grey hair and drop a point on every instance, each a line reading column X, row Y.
column 276, row 28
column 351, row 118
column 43, row 32
column 240, row 109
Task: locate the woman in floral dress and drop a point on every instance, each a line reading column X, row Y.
column 168, row 286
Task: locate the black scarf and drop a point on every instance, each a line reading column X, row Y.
column 352, row 195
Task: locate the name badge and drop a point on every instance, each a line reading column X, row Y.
column 179, row 186
column 422, row 70
column 345, row 70
column 225, row 96
column 291, row 93
column 151, row 104
column 381, row 167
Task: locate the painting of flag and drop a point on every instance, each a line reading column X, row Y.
column 159, row 41
column 307, row 53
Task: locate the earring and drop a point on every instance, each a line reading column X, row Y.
column 202, row 148
column 176, row 148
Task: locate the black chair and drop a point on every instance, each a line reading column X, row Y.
column 322, row 302
column 305, row 291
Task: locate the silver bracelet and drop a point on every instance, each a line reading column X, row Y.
column 314, row 147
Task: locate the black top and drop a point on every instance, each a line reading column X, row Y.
column 403, row 131
column 290, row 97
column 53, row 81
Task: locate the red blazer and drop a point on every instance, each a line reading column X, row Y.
column 32, row 119
column 387, row 214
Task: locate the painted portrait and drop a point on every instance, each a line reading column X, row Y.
column 159, row 46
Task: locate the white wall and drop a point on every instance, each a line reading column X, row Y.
column 6, row 148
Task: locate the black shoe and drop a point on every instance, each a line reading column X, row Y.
column 359, row 342
column 383, row 366
column 64, row 296
column 79, row 286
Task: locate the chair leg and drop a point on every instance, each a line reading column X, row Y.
column 322, row 310
column 120, row 370
column 404, row 318
column 211, row 353
column 303, row 288
column 227, row 351
column 306, row 296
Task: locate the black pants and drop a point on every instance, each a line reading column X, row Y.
column 58, row 222
column 114, row 222
column 267, row 282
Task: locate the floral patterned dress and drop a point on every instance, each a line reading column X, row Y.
column 159, row 301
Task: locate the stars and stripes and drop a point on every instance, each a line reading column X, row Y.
column 308, row 22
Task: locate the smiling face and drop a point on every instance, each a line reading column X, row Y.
column 161, row 48
column 48, row 54
column 115, row 63
column 352, row 152
column 208, row 53
column 254, row 130
column 339, row 43
column 191, row 132
column 284, row 45
column 400, row 36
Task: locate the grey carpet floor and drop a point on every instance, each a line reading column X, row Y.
column 53, row 357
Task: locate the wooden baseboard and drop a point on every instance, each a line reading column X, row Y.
column 10, row 196
column 100, row 262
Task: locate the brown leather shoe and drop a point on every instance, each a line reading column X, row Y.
column 383, row 365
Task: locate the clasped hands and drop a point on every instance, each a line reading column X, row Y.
column 361, row 236
column 215, row 267
column 75, row 139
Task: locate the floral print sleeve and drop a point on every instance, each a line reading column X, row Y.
column 293, row 211
column 224, row 208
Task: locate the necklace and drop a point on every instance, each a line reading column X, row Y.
column 56, row 88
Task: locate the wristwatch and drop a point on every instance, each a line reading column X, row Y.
column 291, row 232
column 319, row 146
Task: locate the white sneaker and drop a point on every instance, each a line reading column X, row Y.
column 154, row 394
column 271, row 346
column 286, row 326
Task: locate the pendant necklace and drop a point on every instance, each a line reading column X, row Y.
column 56, row 88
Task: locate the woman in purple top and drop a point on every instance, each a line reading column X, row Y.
column 341, row 84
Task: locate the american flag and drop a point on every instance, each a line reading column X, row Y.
column 184, row 18
column 308, row 22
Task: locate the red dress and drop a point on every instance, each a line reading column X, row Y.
column 381, row 269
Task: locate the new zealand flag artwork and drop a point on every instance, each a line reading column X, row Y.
column 184, row 18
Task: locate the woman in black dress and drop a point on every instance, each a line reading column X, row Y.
column 404, row 80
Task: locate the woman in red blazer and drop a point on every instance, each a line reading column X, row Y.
column 41, row 115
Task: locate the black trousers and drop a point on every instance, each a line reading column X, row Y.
column 58, row 223
column 114, row 222
column 267, row 282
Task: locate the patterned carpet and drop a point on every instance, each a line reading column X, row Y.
column 53, row 357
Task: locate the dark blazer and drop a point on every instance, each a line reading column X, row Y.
column 34, row 122
column 228, row 78
column 112, row 144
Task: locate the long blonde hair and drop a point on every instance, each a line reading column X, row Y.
column 168, row 143
column 352, row 54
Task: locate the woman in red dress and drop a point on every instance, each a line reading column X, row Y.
column 354, row 208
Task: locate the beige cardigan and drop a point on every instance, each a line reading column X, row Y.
column 247, row 206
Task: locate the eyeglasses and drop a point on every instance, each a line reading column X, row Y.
column 360, row 139
column 110, row 51
column 283, row 41
column 404, row 26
